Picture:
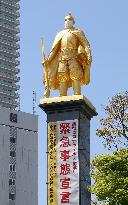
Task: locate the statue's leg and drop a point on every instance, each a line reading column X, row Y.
column 63, row 89
column 77, row 87
column 63, row 78
column 76, row 75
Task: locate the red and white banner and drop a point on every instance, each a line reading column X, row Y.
column 65, row 177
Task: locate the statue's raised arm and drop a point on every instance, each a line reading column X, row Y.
column 69, row 60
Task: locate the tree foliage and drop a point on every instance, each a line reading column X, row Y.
column 110, row 173
column 114, row 127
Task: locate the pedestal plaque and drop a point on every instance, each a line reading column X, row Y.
column 70, row 109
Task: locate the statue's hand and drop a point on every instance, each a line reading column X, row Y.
column 47, row 93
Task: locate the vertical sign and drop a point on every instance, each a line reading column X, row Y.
column 68, row 170
column 63, row 169
column 52, row 164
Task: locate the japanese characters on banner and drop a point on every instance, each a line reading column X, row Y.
column 52, row 164
column 63, row 166
column 68, row 169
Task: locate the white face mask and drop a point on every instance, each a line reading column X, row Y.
column 68, row 23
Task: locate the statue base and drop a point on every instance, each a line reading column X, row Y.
column 71, row 108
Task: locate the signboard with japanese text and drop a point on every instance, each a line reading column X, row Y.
column 63, row 165
column 52, row 164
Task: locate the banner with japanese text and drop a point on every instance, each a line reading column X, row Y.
column 52, row 164
column 63, row 165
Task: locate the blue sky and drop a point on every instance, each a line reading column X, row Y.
column 105, row 25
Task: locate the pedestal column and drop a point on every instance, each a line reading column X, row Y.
column 70, row 108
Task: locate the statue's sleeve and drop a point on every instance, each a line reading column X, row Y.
column 55, row 49
column 85, row 44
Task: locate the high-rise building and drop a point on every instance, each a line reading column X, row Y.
column 9, row 38
column 18, row 130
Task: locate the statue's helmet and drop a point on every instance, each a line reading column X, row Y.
column 69, row 17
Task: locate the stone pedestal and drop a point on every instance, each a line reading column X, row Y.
column 70, row 108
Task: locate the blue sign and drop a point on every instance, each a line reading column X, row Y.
column 13, row 117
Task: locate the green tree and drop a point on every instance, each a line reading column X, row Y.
column 110, row 173
column 114, row 127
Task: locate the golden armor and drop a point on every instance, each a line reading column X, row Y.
column 68, row 63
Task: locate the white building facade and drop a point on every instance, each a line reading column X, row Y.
column 18, row 158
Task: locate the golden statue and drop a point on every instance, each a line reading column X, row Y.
column 68, row 63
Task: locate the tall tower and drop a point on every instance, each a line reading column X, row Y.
column 9, row 30
column 18, row 130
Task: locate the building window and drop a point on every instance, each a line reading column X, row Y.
column 14, row 168
column 10, row 167
column 11, row 196
column 12, row 140
column 12, row 154
column 11, row 182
